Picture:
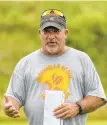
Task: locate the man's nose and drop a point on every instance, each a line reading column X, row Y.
column 51, row 35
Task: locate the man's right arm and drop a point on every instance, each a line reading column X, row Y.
column 11, row 107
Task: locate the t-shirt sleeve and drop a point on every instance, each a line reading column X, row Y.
column 93, row 85
column 16, row 88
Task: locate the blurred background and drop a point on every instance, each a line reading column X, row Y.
column 19, row 36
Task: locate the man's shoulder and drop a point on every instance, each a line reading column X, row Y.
column 29, row 57
column 32, row 54
column 78, row 53
column 83, row 57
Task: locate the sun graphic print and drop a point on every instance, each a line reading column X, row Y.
column 55, row 77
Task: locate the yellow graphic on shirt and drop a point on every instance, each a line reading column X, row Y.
column 55, row 77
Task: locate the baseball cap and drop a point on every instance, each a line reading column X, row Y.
column 54, row 18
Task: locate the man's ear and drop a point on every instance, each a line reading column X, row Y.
column 66, row 33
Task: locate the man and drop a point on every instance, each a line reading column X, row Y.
column 54, row 67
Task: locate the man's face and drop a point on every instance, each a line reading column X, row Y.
column 53, row 40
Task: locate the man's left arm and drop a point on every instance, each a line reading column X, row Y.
column 91, row 103
column 88, row 104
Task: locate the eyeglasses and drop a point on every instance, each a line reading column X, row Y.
column 50, row 11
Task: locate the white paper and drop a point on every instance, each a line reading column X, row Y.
column 52, row 100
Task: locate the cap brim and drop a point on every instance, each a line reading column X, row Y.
column 56, row 25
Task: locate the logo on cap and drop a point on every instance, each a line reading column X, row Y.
column 52, row 19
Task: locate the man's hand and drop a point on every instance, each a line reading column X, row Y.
column 9, row 109
column 66, row 110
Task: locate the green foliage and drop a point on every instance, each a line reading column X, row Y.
column 19, row 36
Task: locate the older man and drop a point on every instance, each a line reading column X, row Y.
column 54, row 67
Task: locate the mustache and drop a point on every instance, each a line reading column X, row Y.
column 51, row 42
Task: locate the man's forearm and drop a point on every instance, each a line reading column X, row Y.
column 91, row 103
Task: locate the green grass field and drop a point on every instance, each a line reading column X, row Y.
column 11, row 122
column 97, row 123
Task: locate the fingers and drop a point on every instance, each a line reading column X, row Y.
column 58, row 108
column 66, row 110
column 7, row 102
column 9, row 109
column 12, row 112
column 59, row 111
column 16, row 115
column 63, row 115
column 66, row 116
column 6, row 98
column 8, row 106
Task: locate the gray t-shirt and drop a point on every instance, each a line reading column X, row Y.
column 72, row 72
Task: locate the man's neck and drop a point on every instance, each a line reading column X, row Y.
column 55, row 54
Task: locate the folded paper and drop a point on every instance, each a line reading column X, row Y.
column 52, row 100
